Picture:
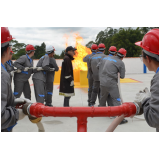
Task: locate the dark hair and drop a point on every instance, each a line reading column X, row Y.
column 4, row 49
column 152, row 58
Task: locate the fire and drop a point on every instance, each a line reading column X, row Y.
column 81, row 52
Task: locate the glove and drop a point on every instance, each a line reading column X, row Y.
column 18, row 101
column 12, row 73
column 52, row 69
column 21, row 114
column 34, row 119
column 19, row 71
column 72, row 83
column 26, row 68
column 140, row 97
column 39, row 68
column 26, row 107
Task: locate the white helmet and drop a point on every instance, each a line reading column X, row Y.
column 49, row 49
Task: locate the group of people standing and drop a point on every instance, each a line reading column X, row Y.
column 103, row 75
column 102, row 78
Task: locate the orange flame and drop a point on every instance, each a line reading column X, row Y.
column 81, row 52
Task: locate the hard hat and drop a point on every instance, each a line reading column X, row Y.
column 101, row 47
column 49, row 49
column 94, row 47
column 150, row 41
column 11, row 51
column 113, row 49
column 122, row 52
column 5, row 36
column 30, row 47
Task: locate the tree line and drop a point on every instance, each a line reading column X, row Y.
column 121, row 38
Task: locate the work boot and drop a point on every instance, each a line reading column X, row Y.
column 49, row 105
column 123, row 121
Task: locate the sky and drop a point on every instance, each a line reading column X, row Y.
column 54, row 35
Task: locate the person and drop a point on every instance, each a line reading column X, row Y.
column 67, row 79
column 24, row 64
column 94, row 48
column 109, row 79
column 112, row 52
column 39, row 76
column 148, row 102
column 9, row 65
column 9, row 114
column 50, row 79
column 93, row 62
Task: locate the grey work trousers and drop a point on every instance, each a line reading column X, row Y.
column 49, row 92
column 90, row 84
column 21, row 86
column 110, row 94
column 39, row 90
column 95, row 92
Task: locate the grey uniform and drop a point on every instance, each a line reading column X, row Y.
column 21, row 83
column 9, row 115
column 109, row 68
column 89, row 75
column 9, row 67
column 151, row 105
column 39, row 78
column 93, row 62
column 50, row 80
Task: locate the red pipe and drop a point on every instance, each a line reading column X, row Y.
column 39, row 110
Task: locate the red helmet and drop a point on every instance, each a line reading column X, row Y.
column 101, row 47
column 11, row 51
column 5, row 35
column 54, row 49
column 30, row 48
column 122, row 51
column 94, row 47
column 113, row 49
column 150, row 41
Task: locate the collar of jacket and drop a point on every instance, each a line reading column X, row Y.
column 157, row 70
column 9, row 62
column 93, row 52
column 99, row 52
column 69, row 56
column 29, row 58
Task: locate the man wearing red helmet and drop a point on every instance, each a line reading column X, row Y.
column 109, row 78
column 9, row 65
column 9, row 114
column 93, row 62
column 148, row 102
column 94, row 48
column 23, row 63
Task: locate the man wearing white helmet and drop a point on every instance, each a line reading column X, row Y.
column 148, row 102
column 39, row 78
column 50, row 79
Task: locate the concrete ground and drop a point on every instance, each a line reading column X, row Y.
column 99, row 124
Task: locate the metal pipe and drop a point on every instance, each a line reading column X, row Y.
column 38, row 110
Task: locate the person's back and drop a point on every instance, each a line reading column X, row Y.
column 109, row 70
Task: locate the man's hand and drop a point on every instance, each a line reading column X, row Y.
column 140, row 97
column 72, row 83
column 26, row 68
column 39, row 68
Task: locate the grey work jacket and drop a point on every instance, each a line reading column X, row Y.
column 44, row 63
column 9, row 68
column 21, row 63
column 9, row 115
column 93, row 62
column 109, row 68
column 151, row 105
column 86, row 59
column 50, row 75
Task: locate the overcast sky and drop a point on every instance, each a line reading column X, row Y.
column 54, row 35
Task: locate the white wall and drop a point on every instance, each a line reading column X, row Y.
column 133, row 65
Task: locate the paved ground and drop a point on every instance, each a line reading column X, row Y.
column 65, row 124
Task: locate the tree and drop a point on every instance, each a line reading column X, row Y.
column 89, row 44
column 16, row 46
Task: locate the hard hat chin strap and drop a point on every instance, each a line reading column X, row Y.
column 4, row 44
column 120, row 55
